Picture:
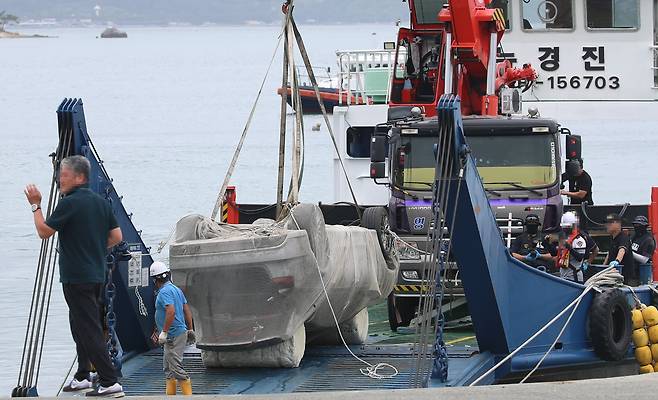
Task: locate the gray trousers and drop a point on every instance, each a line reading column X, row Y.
column 173, row 358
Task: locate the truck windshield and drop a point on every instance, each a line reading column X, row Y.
column 507, row 161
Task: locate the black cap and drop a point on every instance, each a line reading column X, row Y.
column 532, row 219
column 612, row 218
column 641, row 220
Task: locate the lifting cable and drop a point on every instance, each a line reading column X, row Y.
column 438, row 257
column 28, row 376
column 316, row 89
column 371, row 370
column 238, row 149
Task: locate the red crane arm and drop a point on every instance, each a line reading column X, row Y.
column 506, row 74
column 472, row 24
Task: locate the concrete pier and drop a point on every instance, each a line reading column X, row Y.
column 630, row 387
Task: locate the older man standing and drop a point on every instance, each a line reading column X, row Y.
column 87, row 228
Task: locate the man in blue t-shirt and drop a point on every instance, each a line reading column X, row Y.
column 174, row 320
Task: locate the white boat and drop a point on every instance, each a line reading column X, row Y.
column 597, row 61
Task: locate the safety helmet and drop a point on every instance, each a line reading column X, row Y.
column 158, row 268
column 569, row 219
column 641, row 220
column 610, row 218
column 532, row 219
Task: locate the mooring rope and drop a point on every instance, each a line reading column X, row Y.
column 35, row 332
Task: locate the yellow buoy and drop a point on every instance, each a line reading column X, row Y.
column 653, row 334
column 640, row 337
column 650, row 315
column 643, row 355
column 646, row 369
column 654, row 352
column 638, row 319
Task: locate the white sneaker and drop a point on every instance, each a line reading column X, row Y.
column 115, row 390
column 76, row 385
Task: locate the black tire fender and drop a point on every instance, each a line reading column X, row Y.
column 610, row 325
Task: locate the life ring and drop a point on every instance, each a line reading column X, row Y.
column 610, row 325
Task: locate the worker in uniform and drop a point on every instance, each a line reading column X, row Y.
column 576, row 250
column 531, row 248
column 174, row 321
column 643, row 243
column 86, row 228
column 580, row 186
column 620, row 255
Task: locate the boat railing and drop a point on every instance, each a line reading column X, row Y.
column 654, row 67
column 322, row 75
column 364, row 77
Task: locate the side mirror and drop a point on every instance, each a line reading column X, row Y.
column 574, row 148
column 572, row 167
column 378, row 149
column 378, row 170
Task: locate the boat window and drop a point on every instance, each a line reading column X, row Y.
column 358, row 141
column 613, row 14
column 546, row 15
column 503, row 5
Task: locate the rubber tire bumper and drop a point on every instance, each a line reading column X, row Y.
column 610, row 325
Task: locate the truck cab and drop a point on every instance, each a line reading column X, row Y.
column 519, row 160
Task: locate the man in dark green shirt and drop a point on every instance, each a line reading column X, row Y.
column 86, row 227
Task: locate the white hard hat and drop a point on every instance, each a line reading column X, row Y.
column 158, row 268
column 569, row 219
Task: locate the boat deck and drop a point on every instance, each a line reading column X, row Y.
column 322, row 369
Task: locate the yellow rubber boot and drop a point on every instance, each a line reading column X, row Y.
column 186, row 387
column 171, row 387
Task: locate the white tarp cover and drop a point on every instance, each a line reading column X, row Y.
column 256, row 285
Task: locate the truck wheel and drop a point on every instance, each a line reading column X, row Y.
column 376, row 218
column 400, row 311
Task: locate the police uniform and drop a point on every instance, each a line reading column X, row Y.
column 525, row 243
column 578, row 183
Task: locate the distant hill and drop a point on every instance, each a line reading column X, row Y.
column 212, row 11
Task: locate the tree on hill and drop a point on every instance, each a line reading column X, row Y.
column 5, row 19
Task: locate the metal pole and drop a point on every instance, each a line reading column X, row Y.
column 282, row 125
column 491, row 68
column 448, row 64
column 295, row 154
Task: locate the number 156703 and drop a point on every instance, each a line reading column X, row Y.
column 583, row 82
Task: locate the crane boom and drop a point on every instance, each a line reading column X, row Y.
column 459, row 38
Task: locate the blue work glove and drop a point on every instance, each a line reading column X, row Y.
column 584, row 266
column 536, row 253
column 614, row 263
column 530, row 256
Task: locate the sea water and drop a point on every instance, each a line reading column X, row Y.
column 165, row 109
